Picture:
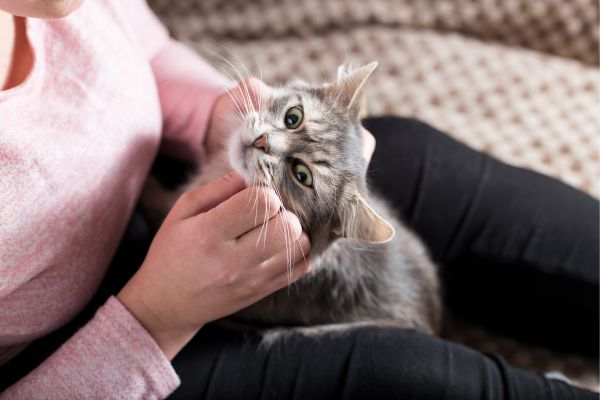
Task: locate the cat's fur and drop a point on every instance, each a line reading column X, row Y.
column 361, row 271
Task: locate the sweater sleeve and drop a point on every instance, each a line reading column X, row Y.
column 111, row 357
column 188, row 85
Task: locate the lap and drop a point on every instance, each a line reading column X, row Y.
column 518, row 250
column 362, row 363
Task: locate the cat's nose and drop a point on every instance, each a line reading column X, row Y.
column 262, row 143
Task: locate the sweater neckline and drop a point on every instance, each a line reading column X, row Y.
column 33, row 31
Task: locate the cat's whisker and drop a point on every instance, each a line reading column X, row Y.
column 251, row 197
column 286, row 233
column 232, row 94
column 248, row 96
column 238, row 100
column 242, row 79
column 254, row 196
column 260, row 95
column 264, row 225
column 260, row 233
column 234, row 114
column 244, row 97
column 295, row 210
column 255, row 201
column 268, row 184
column 235, row 99
column 269, row 181
column 248, row 74
column 250, row 93
column 237, row 105
column 290, row 250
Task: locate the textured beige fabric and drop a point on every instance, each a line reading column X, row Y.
column 566, row 28
column 518, row 79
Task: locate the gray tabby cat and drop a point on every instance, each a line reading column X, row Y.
column 304, row 141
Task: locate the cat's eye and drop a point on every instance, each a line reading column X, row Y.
column 293, row 117
column 302, row 173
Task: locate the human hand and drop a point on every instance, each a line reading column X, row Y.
column 209, row 260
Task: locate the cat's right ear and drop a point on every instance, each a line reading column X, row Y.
column 349, row 86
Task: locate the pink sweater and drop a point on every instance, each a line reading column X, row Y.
column 77, row 139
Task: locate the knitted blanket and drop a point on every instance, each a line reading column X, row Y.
column 518, row 79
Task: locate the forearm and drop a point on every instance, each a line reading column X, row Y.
column 112, row 356
column 170, row 339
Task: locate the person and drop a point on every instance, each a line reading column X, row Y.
column 85, row 100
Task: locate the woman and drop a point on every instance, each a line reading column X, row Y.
column 85, row 101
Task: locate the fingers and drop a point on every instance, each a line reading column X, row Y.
column 300, row 269
column 280, row 274
column 272, row 237
column 289, row 255
column 207, row 196
column 244, row 211
column 286, row 264
column 260, row 288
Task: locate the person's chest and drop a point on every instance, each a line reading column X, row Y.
column 76, row 141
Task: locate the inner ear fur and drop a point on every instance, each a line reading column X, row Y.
column 357, row 220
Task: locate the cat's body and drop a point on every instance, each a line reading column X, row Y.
column 361, row 271
column 359, row 282
column 353, row 281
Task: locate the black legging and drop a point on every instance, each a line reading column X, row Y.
column 517, row 251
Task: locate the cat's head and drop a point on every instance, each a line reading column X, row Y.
column 304, row 140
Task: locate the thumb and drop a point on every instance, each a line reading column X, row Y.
column 206, row 197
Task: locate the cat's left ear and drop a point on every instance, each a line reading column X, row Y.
column 357, row 220
column 350, row 84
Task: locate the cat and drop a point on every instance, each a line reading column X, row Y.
column 367, row 267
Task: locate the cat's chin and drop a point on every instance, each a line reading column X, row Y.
column 240, row 159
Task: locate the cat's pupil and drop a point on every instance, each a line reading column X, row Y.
column 292, row 119
column 301, row 176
